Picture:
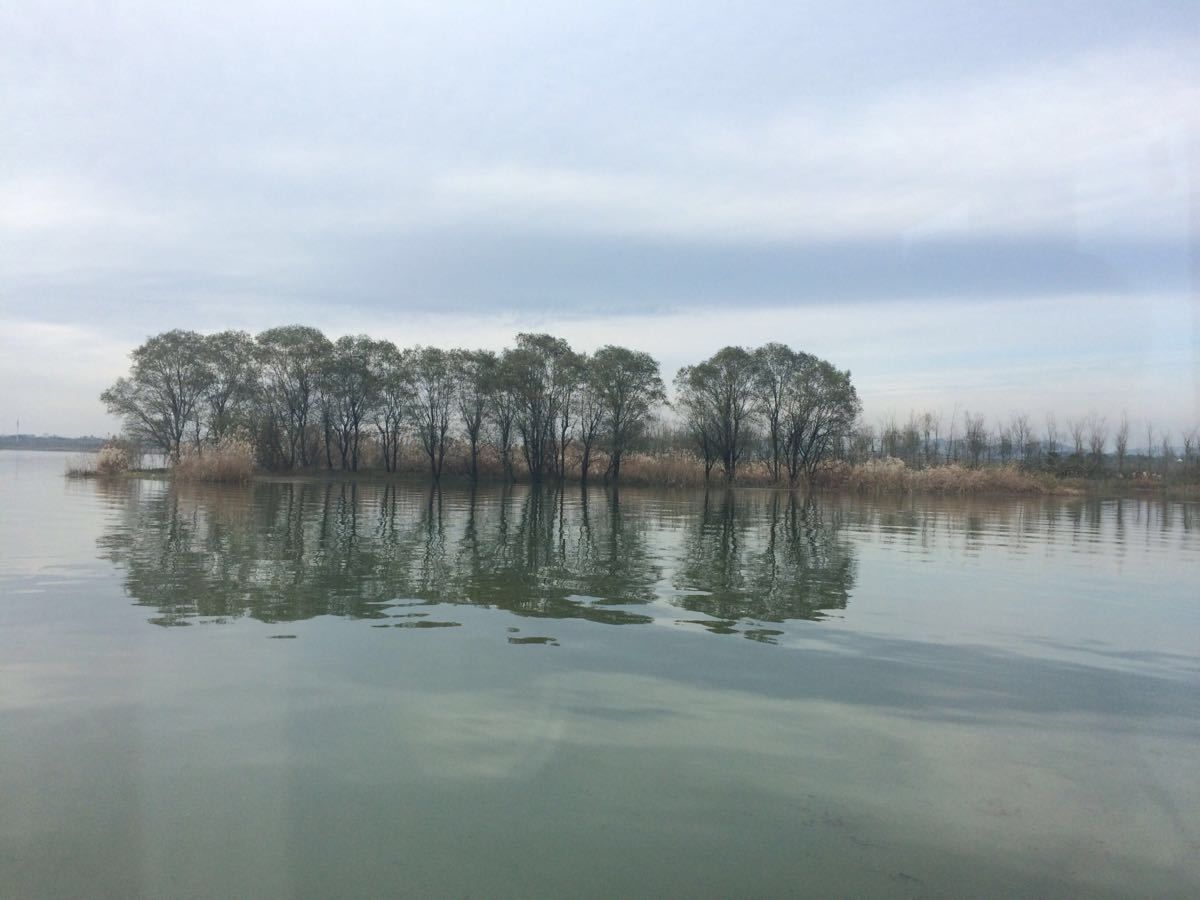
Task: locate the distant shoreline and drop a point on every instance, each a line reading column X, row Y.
column 51, row 443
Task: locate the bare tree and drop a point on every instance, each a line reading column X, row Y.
column 862, row 443
column 930, row 422
column 1097, row 437
column 889, row 437
column 1076, row 428
column 1005, row 445
column 911, row 439
column 1022, row 435
column 1122, row 442
column 976, row 437
column 1189, row 445
column 1052, row 434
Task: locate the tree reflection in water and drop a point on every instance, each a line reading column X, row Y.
column 766, row 557
column 288, row 550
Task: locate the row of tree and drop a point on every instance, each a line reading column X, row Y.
column 1086, row 445
column 304, row 401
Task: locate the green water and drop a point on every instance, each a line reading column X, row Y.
column 311, row 688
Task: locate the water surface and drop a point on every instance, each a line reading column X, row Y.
column 330, row 687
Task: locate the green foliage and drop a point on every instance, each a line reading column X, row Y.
column 300, row 400
column 718, row 398
column 292, row 360
column 627, row 386
column 163, row 395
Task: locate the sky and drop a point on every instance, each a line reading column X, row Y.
column 990, row 207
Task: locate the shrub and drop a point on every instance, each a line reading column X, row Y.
column 114, row 458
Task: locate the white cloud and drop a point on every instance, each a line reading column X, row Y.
column 1098, row 145
column 51, row 202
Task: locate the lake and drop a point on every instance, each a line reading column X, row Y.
column 309, row 687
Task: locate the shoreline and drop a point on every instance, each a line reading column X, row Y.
column 1105, row 489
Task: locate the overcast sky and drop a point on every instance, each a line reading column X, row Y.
column 991, row 206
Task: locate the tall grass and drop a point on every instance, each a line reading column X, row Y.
column 682, row 469
column 229, row 461
column 893, row 476
column 114, row 458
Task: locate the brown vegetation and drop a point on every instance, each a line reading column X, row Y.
column 231, row 460
column 893, row 476
column 114, row 458
column 682, row 469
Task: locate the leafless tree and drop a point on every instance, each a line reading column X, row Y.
column 1052, row 435
column 1097, row 436
column 1022, row 435
column 1122, row 442
column 1189, row 446
column 930, row 422
column 976, row 436
column 1076, row 428
column 951, row 448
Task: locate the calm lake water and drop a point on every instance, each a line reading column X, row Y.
column 338, row 688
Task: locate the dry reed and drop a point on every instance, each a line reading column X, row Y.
column 229, row 461
column 114, row 458
column 890, row 475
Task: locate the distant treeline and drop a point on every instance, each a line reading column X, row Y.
column 298, row 400
column 49, row 442
column 1086, row 446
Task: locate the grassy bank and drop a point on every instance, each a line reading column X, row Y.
column 233, row 462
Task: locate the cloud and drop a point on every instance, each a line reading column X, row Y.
column 681, row 168
column 1098, row 146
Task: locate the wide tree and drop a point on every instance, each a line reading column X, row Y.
column 776, row 365
column 231, row 393
column 820, row 406
column 433, row 400
column 589, row 416
column 719, row 400
column 542, row 372
column 351, row 384
column 293, row 358
column 475, row 375
column 164, row 393
column 394, row 400
column 629, row 386
column 504, row 407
